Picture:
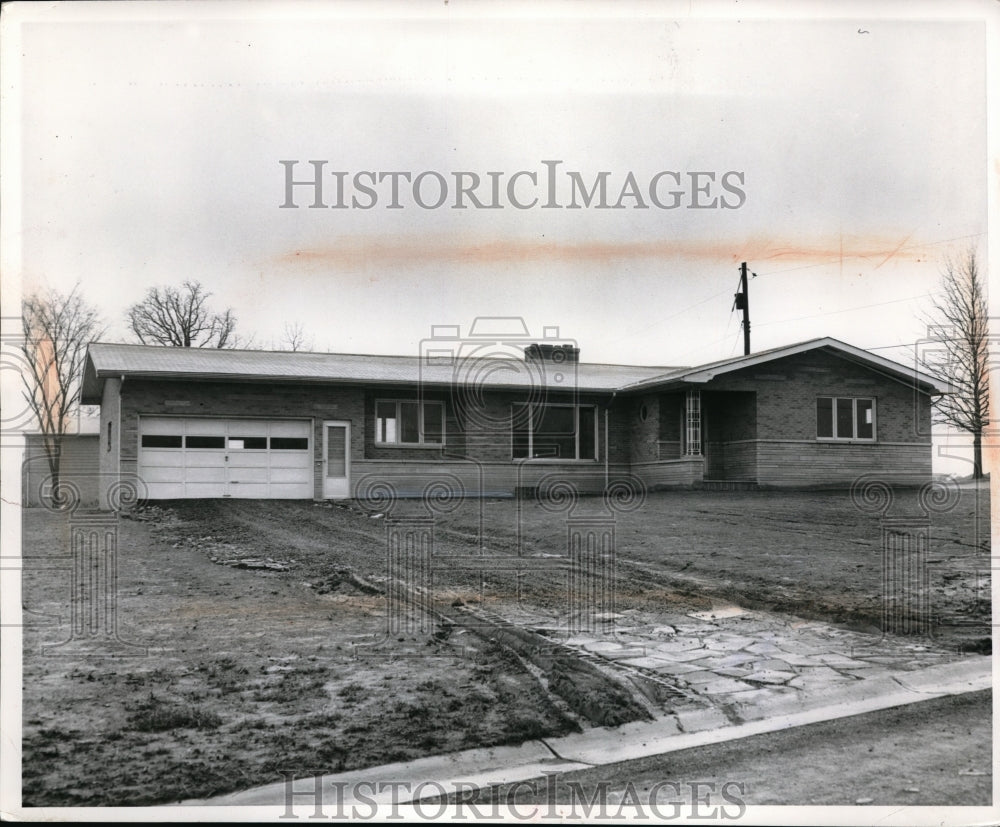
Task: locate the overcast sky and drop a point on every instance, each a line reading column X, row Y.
column 150, row 148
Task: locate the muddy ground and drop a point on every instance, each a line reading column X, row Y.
column 266, row 630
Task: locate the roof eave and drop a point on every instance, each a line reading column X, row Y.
column 698, row 376
column 187, row 376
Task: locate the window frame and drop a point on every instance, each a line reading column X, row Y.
column 576, row 432
column 420, row 403
column 854, row 419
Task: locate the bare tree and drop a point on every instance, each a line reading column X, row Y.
column 294, row 338
column 57, row 329
column 180, row 317
column 959, row 329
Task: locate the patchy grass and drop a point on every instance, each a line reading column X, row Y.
column 158, row 715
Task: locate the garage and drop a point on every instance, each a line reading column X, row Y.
column 187, row 457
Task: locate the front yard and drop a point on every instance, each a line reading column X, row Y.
column 265, row 626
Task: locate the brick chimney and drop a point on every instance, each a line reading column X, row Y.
column 557, row 354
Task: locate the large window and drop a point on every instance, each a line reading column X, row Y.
column 843, row 417
column 405, row 422
column 557, row 432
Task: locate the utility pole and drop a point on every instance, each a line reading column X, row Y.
column 743, row 303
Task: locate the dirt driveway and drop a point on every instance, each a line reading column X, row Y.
column 265, row 628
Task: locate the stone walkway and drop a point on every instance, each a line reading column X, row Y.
column 750, row 663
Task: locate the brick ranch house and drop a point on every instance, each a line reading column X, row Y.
column 194, row 423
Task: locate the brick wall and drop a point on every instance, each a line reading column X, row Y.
column 644, row 431
column 806, row 464
column 731, row 460
column 670, row 473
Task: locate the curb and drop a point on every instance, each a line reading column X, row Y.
column 406, row 781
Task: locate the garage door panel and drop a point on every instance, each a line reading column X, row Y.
column 204, row 490
column 207, row 474
column 291, row 491
column 162, row 425
column 205, row 459
column 250, row 491
column 154, row 473
column 248, row 475
column 239, row 459
column 286, row 459
column 165, row 490
column 290, row 428
column 249, row 427
column 163, row 459
column 206, row 427
column 286, row 475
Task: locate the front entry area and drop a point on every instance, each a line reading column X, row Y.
column 729, row 435
column 187, row 457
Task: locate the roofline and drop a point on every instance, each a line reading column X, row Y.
column 707, row 373
column 92, row 376
column 359, row 355
column 676, row 376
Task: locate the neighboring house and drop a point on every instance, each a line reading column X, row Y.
column 481, row 417
column 78, row 464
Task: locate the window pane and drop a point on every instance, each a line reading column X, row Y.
column 385, row 422
column 824, row 417
column 555, row 436
column 866, row 418
column 520, row 442
column 205, row 442
column 247, row 443
column 588, row 441
column 845, row 419
column 158, row 441
column 336, row 451
column 409, row 426
column 289, row 443
column 433, row 422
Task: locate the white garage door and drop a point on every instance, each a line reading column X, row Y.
column 184, row 457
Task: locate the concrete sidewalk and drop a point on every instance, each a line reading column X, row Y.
column 873, row 689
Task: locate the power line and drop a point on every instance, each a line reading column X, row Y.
column 736, row 341
column 668, row 318
column 889, row 347
column 846, row 310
